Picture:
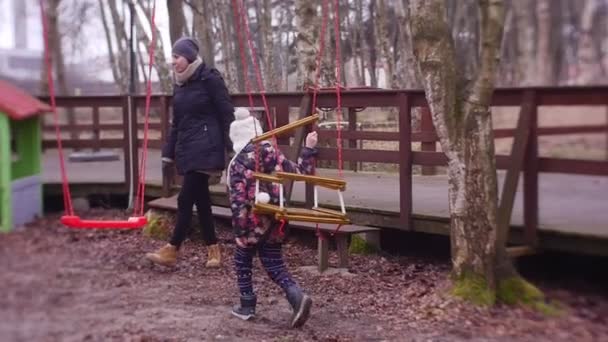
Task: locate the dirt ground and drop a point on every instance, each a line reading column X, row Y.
column 65, row 285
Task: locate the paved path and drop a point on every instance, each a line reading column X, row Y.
column 568, row 203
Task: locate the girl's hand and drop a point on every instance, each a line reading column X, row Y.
column 311, row 139
column 241, row 242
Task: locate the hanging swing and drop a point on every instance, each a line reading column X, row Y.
column 70, row 219
column 282, row 213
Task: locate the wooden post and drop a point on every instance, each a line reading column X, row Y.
column 323, row 246
column 405, row 160
column 131, row 144
column 426, row 125
column 531, row 176
column 282, row 118
column 342, row 247
column 516, row 164
column 96, row 129
column 294, row 152
column 167, row 175
column 352, row 126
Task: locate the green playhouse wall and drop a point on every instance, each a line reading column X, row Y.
column 27, row 132
column 16, row 182
column 5, row 174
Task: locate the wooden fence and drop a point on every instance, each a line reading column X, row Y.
column 526, row 140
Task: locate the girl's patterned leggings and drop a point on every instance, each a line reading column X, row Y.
column 272, row 260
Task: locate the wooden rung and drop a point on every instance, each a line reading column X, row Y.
column 284, row 129
column 266, row 177
column 267, row 208
column 330, row 212
column 331, row 183
column 310, row 212
column 518, row 251
column 314, row 219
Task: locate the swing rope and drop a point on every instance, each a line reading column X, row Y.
column 67, row 198
column 70, row 219
column 141, row 189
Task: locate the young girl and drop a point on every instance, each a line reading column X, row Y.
column 262, row 234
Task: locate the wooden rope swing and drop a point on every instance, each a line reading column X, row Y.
column 316, row 214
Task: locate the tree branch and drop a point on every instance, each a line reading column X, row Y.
column 492, row 18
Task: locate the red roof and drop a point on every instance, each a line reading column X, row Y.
column 18, row 104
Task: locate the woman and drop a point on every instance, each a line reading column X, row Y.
column 262, row 234
column 197, row 144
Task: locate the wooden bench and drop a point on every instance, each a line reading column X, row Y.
column 341, row 237
column 326, row 230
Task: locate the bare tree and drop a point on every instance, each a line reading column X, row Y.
column 545, row 59
column 271, row 78
column 120, row 63
column 526, row 41
column 118, row 74
column 371, row 43
column 55, row 47
column 588, row 63
column 461, row 115
column 177, row 20
column 203, row 30
column 305, row 43
column 160, row 63
column 382, row 33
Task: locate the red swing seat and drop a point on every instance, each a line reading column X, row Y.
column 133, row 222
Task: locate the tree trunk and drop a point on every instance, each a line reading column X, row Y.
column 177, row 20
column 385, row 45
column 229, row 45
column 271, row 75
column 526, row 42
column 203, row 29
column 587, row 59
column 117, row 73
column 354, row 48
column 56, row 52
column 462, row 119
column 328, row 60
column 121, row 42
column 305, row 43
column 545, row 57
column 363, row 50
column 405, row 63
column 370, row 36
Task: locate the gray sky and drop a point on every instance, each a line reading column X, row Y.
column 95, row 39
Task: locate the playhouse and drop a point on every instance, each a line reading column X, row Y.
column 20, row 156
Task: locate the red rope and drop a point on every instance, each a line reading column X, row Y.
column 282, row 227
column 67, row 197
column 141, row 189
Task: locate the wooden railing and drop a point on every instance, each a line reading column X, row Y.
column 352, row 101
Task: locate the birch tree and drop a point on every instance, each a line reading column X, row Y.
column 305, row 43
column 482, row 271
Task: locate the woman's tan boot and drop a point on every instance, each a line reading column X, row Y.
column 214, row 258
column 166, row 255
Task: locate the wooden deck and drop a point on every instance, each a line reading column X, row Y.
column 573, row 209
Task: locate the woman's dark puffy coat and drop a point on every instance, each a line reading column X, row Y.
column 202, row 113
